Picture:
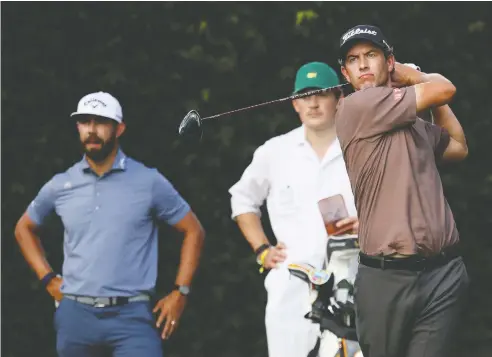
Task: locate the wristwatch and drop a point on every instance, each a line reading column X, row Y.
column 183, row 289
column 48, row 277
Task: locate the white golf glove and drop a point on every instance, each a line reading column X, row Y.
column 413, row 65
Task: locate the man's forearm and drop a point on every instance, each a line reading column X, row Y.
column 417, row 77
column 445, row 118
column 190, row 257
column 252, row 229
column 31, row 248
column 431, row 90
column 443, row 115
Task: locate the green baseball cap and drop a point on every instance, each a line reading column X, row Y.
column 315, row 75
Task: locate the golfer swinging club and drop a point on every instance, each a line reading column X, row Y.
column 411, row 282
column 292, row 173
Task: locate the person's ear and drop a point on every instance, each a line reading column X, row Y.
column 340, row 96
column 120, row 129
column 345, row 74
column 295, row 104
column 390, row 61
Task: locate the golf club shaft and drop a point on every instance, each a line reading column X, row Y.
column 292, row 97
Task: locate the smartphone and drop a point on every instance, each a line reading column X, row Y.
column 333, row 209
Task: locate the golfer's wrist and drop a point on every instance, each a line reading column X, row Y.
column 411, row 75
column 48, row 278
column 416, row 78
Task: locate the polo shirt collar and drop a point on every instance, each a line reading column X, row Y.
column 119, row 164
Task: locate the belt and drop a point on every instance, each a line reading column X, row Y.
column 107, row 301
column 413, row 262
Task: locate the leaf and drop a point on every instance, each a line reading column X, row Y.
column 205, row 94
column 305, row 15
column 477, row 26
column 202, row 27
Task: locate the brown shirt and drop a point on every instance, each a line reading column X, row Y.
column 391, row 157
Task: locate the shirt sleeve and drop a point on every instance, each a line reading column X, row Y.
column 438, row 138
column 167, row 203
column 375, row 111
column 44, row 203
column 249, row 193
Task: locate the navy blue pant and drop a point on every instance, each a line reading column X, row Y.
column 118, row 331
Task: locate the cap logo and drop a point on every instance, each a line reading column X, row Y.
column 94, row 103
column 358, row 31
column 312, row 75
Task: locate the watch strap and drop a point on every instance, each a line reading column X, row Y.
column 47, row 278
column 261, row 249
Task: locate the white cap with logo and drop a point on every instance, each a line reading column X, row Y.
column 101, row 104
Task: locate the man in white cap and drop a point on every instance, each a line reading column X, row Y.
column 110, row 206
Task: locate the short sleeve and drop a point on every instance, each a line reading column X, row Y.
column 375, row 111
column 249, row 193
column 44, row 203
column 167, row 203
column 438, row 138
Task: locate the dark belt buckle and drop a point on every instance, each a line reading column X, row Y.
column 422, row 264
column 438, row 259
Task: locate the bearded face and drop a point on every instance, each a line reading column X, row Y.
column 97, row 136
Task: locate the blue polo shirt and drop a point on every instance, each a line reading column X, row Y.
column 110, row 239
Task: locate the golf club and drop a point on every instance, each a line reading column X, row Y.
column 191, row 125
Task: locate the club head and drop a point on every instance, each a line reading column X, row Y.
column 191, row 126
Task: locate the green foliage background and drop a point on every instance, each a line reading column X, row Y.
column 161, row 60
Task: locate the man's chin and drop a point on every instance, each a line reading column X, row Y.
column 367, row 85
column 318, row 123
column 96, row 154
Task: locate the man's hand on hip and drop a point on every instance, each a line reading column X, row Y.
column 53, row 288
column 171, row 307
column 275, row 256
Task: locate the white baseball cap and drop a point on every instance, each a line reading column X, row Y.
column 102, row 104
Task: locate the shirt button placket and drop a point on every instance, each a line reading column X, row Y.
column 96, row 195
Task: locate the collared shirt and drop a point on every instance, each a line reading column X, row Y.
column 110, row 239
column 392, row 157
column 287, row 174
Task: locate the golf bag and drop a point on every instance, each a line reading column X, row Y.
column 331, row 291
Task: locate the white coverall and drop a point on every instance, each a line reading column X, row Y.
column 286, row 172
